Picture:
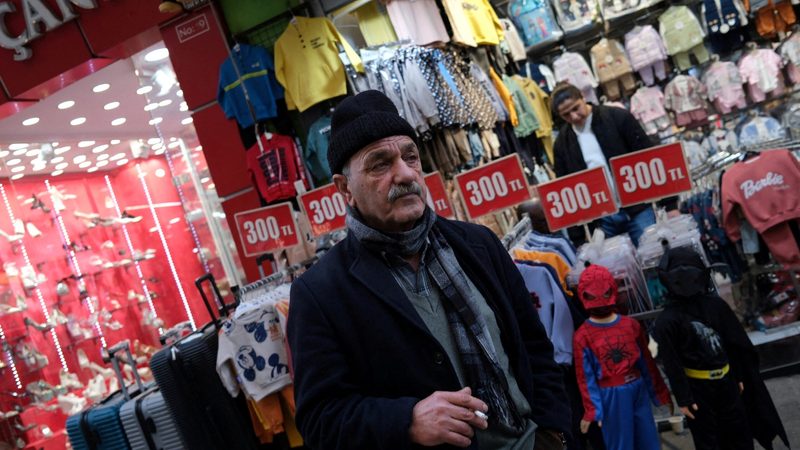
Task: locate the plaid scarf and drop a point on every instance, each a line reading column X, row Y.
column 470, row 332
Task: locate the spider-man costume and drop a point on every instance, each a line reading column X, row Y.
column 617, row 376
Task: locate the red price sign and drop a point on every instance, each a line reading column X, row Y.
column 325, row 208
column 576, row 199
column 437, row 195
column 495, row 186
column 267, row 229
column 651, row 174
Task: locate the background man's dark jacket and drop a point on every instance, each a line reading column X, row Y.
column 363, row 357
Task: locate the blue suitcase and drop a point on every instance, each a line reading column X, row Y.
column 99, row 427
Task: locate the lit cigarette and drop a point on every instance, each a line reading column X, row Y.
column 481, row 415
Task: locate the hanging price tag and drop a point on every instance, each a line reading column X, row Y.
column 267, row 229
column 325, row 208
column 492, row 187
column 437, row 195
column 576, row 199
column 651, row 174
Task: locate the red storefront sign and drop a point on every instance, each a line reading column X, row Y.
column 267, row 229
column 325, row 208
column 651, row 174
column 492, row 187
column 437, row 195
column 576, row 199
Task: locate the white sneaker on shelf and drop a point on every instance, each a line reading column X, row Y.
column 11, row 269
column 69, row 380
column 32, row 230
column 19, row 227
column 11, row 237
column 70, row 404
column 107, row 244
column 96, row 389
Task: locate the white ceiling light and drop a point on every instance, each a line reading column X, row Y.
column 173, row 144
column 56, row 173
column 17, row 146
column 160, row 151
column 62, row 150
column 4, row 153
column 179, row 93
column 118, row 121
column 32, row 153
column 173, row 139
column 153, row 141
column 30, row 121
column 57, row 160
column 100, row 148
column 84, row 144
column 92, row 170
column 122, row 162
column 199, row 148
column 144, row 90
column 187, row 121
column 102, row 163
column 156, row 55
column 184, row 107
column 38, row 166
column 103, row 157
column 101, row 87
column 118, row 156
column 18, row 169
column 66, row 104
column 160, row 173
column 115, row 141
column 156, row 120
column 62, row 166
column 150, row 106
column 19, row 152
column 17, row 176
column 111, row 105
column 85, row 164
column 13, row 162
column 77, row 121
column 79, row 159
column 166, row 102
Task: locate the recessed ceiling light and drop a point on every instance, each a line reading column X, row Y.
column 199, row 148
column 115, row 141
column 111, row 105
column 156, row 55
column 173, row 144
column 184, row 107
column 173, row 139
column 56, row 173
column 62, row 150
column 150, row 106
column 153, row 141
column 79, row 159
column 77, row 121
column 205, row 180
column 101, row 87
column 92, row 170
column 17, row 176
column 118, row 156
column 32, row 153
column 62, row 166
column 102, row 163
column 156, row 120
column 37, row 166
column 187, row 121
column 4, row 153
column 160, row 151
column 19, row 152
column 166, row 102
column 57, row 160
column 100, row 148
column 18, row 169
column 84, row 144
column 103, row 157
column 30, row 121
column 66, row 104
column 17, row 146
column 85, row 164
column 160, row 173
column 13, row 162
column 118, row 121
column 122, row 162
column 179, row 93
column 144, row 90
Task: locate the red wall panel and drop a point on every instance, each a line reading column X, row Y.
column 235, row 205
column 113, row 22
column 223, row 150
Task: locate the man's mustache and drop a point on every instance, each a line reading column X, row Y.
column 399, row 190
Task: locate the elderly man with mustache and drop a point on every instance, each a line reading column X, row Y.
column 415, row 331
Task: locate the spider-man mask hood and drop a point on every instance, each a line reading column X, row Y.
column 597, row 288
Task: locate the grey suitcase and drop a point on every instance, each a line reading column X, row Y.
column 148, row 423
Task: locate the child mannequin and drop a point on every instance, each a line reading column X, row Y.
column 711, row 364
column 616, row 374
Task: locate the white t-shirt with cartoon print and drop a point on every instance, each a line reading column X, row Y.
column 252, row 353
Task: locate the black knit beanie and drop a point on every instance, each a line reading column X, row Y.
column 361, row 120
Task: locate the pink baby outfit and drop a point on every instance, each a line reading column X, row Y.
column 724, row 87
column 685, row 96
column 647, row 53
column 572, row 68
column 418, row 21
column 761, row 70
column 647, row 105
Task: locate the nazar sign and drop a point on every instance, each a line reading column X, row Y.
column 39, row 19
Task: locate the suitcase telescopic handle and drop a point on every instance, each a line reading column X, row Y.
column 113, row 356
column 222, row 308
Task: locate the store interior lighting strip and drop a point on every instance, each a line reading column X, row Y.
column 10, row 359
column 36, row 289
column 141, row 174
column 130, row 250
column 76, row 268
